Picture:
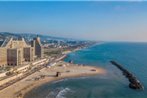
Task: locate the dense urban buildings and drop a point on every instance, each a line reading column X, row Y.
column 16, row 52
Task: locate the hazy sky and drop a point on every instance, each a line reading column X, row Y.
column 111, row 21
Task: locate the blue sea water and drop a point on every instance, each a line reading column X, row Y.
column 132, row 56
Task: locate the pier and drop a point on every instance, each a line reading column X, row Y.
column 134, row 82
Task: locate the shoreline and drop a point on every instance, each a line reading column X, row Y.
column 24, row 86
column 67, row 70
column 54, row 80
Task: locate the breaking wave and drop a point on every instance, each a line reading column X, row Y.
column 62, row 93
column 58, row 93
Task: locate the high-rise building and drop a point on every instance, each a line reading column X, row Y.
column 15, row 52
column 3, row 56
column 36, row 43
column 29, row 54
column 14, row 56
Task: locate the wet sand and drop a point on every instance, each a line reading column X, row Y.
column 46, row 75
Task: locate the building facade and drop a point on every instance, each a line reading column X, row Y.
column 15, row 52
column 14, row 56
column 29, row 54
column 3, row 56
column 36, row 43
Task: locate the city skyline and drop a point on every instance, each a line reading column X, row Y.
column 107, row 21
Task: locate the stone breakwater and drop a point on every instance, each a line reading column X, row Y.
column 134, row 82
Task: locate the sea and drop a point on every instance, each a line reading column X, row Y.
column 133, row 56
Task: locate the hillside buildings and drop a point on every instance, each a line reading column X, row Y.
column 16, row 52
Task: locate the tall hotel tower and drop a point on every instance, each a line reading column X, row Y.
column 36, row 43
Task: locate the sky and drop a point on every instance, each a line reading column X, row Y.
column 106, row 21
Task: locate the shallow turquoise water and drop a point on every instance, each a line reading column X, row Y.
column 112, row 85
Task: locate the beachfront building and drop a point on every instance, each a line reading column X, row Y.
column 3, row 56
column 14, row 56
column 36, row 43
column 16, row 52
column 29, row 53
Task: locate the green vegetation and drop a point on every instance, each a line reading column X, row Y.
column 52, row 51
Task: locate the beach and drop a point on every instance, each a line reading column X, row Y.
column 48, row 74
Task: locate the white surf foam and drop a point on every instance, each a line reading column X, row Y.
column 58, row 93
column 62, row 93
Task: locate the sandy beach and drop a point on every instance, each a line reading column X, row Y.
column 46, row 75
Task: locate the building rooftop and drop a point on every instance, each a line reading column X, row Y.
column 5, row 42
column 1, row 42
